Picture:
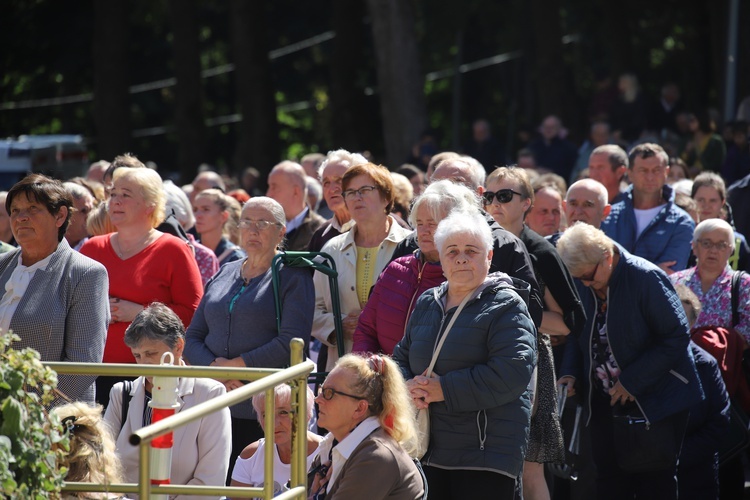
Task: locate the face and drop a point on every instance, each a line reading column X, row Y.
column 544, row 217
column 150, row 351
column 208, row 215
column 597, row 276
column 713, row 258
column 508, row 215
column 582, row 205
column 649, row 175
column 256, row 241
column 32, row 224
column 599, row 134
column 426, row 226
column 550, row 128
column 339, row 414
column 4, row 218
column 287, row 193
column 77, row 226
column 709, row 202
column 600, row 169
column 127, row 204
column 367, row 205
column 465, row 262
column 417, row 183
column 282, row 423
column 331, row 181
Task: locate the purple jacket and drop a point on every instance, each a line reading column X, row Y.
column 383, row 320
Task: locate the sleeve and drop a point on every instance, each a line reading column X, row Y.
column 113, row 413
column 401, row 351
column 85, row 328
column 242, row 468
column 511, row 257
column 214, row 445
column 678, row 247
column 186, row 285
column 196, row 350
column 743, row 327
column 511, row 344
column 668, row 333
column 297, row 299
column 560, row 284
column 366, row 334
column 323, row 324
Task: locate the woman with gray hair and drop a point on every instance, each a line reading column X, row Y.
column 478, row 394
column 235, row 324
column 200, row 454
column 384, row 318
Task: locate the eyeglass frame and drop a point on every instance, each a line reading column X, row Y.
column 323, row 390
column 708, row 244
column 488, row 197
column 593, row 275
column 352, row 193
column 248, row 223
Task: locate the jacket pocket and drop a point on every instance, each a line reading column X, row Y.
column 679, row 377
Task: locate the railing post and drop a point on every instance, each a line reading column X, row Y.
column 144, row 476
column 299, row 424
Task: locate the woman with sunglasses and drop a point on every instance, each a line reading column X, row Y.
column 235, row 324
column 633, row 361
column 508, row 198
column 360, row 254
column 711, row 279
column 366, row 407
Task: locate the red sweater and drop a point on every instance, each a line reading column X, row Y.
column 165, row 271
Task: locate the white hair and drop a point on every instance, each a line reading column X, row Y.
column 178, row 202
column 442, row 197
column 343, row 157
column 709, row 225
column 470, row 224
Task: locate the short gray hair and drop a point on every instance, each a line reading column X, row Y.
column 283, row 393
column 442, row 197
column 709, row 225
column 179, row 203
column 473, row 171
column 273, row 206
column 155, row 322
column 343, row 157
column 582, row 245
column 294, row 172
column 471, row 224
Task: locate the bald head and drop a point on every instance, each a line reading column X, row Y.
column 586, row 201
column 286, row 184
column 461, row 170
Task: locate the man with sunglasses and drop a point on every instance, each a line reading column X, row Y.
column 508, row 254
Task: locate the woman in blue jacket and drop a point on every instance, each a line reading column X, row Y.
column 632, row 357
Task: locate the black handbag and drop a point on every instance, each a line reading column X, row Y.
column 640, row 446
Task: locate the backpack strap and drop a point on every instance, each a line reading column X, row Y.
column 127, row 386
column 736, row 280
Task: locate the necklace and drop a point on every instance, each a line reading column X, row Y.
column 121, row 252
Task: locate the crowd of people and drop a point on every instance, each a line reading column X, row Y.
column 470, row 291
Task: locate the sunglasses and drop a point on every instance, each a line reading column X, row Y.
column 502, row 196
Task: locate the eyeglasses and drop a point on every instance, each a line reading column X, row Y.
column 592, row 276
column 708, row 245
column 260, row 225
column 351, row 194
column 328, row 393
column 503, row 196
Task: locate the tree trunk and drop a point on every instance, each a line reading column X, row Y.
column 257, row 138
column 548, row 57
column 111, row 77
column 189, row 120
column 400, row 79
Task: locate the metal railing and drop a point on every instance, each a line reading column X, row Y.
column 261, row 380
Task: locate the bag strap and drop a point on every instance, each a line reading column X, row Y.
column 439, row 346
column 736, row 280
column 127, row 386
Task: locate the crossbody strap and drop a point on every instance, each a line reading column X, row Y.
column 736, row 279
column 439, row 346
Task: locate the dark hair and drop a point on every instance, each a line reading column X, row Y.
column 126, row 160
column 155, row 322
column 645, row 151
column 49, row 192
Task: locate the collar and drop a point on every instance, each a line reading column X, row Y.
column 347, row 446
column 394, row 233
column 42, row 264
column 297, row 220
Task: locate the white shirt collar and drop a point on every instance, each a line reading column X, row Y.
column 296, row 221
column 343, row 450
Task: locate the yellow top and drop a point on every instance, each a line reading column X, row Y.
column 365, row 272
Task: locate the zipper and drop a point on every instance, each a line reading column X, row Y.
column 679, row 377
column 411, row 302
column 482, row 431
column 591, row 358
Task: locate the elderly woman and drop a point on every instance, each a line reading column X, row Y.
column 235, row 324
column 360, row 255
column 384, row 318
column 508, row 198
column 144, row 264
column 200, row 455
column 478, row 394
column 249, row 468
column 90, row 457
column 711, row 278
column 54, row 298
column 365, row 405
column 632, row 359
column 215, row 217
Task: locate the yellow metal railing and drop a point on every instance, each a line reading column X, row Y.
column 262, row 379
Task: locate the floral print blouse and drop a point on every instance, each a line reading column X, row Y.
column 716, row 303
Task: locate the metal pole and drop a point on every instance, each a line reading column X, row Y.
column 730, row 89
column 299, row 424
column 144, row 473
column 268, row 422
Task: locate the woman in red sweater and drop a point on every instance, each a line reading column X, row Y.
column 144, row 265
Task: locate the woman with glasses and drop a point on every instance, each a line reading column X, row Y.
column 360, row 255
column 508, row 198
column 633, row 362
column 711, row 278
column 235, row 324
column 365, row 406
column 216, row 217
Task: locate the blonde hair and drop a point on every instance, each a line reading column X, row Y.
column 151, row 189
column 283, row 395
column 91, row 456
column 378, row 379
column 98, row 222
column 583, row 245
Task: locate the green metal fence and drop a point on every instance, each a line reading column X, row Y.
column 261, row 380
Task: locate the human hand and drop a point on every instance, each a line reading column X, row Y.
column 232, row 384
column 320, row 479
column 569, row 382
column 620, row 394
column 427, row 389
column 417, row 394
column 667, row 266
column 121, row 310
column 350, row 323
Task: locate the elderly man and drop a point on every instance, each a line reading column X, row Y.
column 286, row 184
column 647, row 223
column 607, row 164
column 83, row 203
column 96, row 171
column 509, row 253
column 311, row 163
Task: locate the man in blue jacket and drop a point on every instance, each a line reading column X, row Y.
column 647, row 223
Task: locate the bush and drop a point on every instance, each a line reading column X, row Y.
column 31, row 438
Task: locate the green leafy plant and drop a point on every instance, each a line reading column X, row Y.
column 31, row 439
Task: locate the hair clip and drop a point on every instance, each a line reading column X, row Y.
column 377, row 363
column 69, row 424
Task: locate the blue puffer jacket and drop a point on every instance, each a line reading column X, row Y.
column 666, row 238
column 648, row 334
column 484, row 366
